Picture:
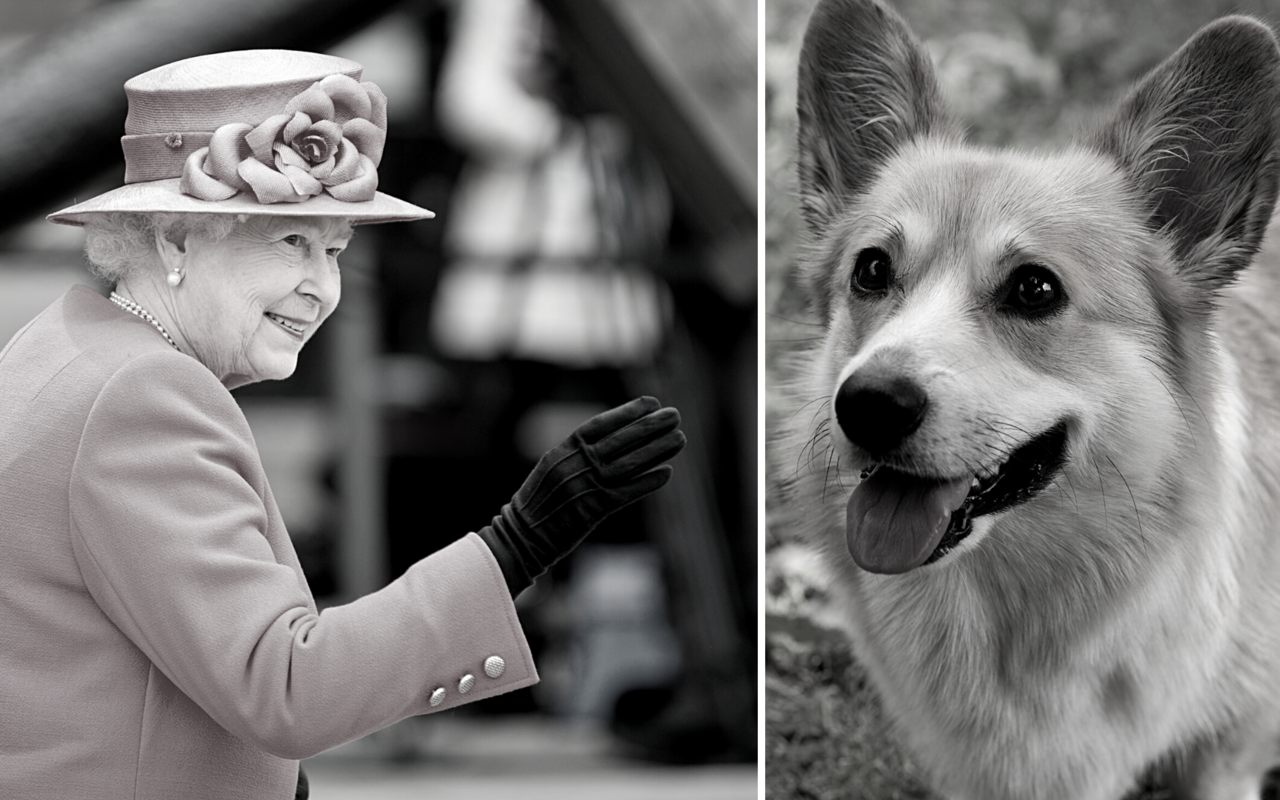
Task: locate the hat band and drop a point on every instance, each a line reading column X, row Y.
column 157, row 156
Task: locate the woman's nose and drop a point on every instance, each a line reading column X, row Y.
column 323, row 281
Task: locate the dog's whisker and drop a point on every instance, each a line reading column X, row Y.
column 839, row 480
column 820, row 431
column 810, row 443
column 1186, row 392
column 1102, row 489
column 823, row 400
column 819, row 410
column 1075, row 498
column 812, row 447
column 1137, row 514
column 1191, row 431
column 826, row 478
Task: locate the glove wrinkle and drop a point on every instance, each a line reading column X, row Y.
column 550, row 494
column 552, row 512
column 533, row 490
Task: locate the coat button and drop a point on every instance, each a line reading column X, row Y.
column 437, row 697
column 466, row 683
column 494, row 666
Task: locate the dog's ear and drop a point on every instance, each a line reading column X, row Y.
column 1197, row 137
column 866, row 87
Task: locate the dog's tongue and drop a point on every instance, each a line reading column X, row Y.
column 894, row 521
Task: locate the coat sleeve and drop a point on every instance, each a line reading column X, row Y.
column 169, row 531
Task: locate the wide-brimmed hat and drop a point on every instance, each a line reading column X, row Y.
column 276, row 132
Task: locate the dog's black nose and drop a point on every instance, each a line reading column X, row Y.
column 878, row 411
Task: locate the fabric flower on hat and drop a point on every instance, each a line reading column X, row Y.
column 329, row 138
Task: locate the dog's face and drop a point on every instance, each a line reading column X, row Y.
column 1005, row 332
column 988, row 314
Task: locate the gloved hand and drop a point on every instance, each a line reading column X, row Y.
column 612, row 460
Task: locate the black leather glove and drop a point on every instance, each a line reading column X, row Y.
column 612, row 460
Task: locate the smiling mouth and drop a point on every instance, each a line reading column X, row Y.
column 897, row 521
column 293, row 326
column 1028, row 471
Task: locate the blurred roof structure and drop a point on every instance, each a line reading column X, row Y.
column 684, row 76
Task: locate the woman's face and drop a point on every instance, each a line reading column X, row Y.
column 247, row 304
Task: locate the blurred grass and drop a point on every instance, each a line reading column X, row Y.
column 825, row 736
column 1070, row 60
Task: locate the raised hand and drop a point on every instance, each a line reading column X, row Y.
column 610, row 461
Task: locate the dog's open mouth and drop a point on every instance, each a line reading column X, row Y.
column 896, row 521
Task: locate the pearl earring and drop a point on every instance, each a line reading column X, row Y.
column 174, row 277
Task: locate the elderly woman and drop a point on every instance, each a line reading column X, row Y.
column 159, row 638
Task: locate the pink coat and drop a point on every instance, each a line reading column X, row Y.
column 157, row 637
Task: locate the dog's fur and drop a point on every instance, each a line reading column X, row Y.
column 1129, row 614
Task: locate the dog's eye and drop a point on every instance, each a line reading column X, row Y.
column 871, row 271
column 1034, row 290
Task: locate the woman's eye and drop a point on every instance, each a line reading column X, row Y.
column 1034, row 290
column 293, row 240
column 333, row 252
column 871, row 272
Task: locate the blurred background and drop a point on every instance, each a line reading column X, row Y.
column 593, row 167
column 1027, row 73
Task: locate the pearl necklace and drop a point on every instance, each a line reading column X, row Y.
column 138, row 311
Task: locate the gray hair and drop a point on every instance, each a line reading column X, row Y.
column 121, row 243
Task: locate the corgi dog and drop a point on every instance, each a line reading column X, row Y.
column 1044, row 470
